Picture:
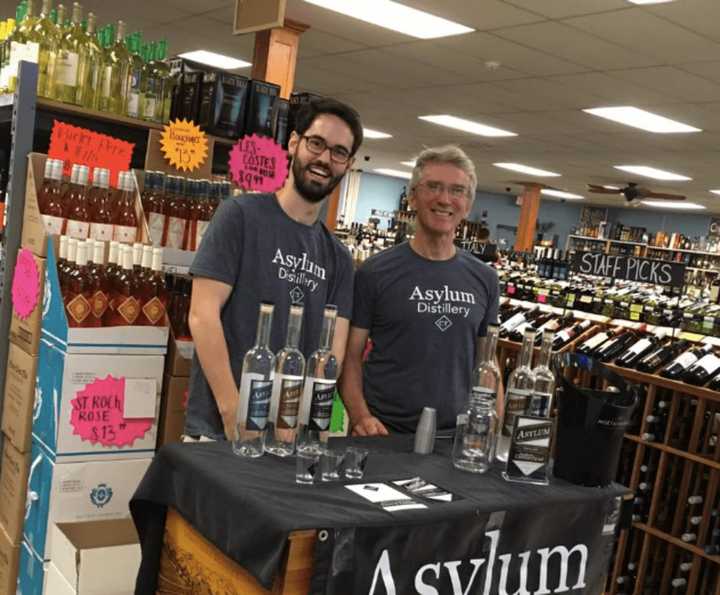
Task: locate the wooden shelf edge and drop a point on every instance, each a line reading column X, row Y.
column 695, row 458
column 676, row 542
column 679, row 387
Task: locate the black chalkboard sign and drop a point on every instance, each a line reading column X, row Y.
column 632, row 268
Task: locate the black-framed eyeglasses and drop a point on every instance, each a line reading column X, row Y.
column 438, row 188
column 317, row 145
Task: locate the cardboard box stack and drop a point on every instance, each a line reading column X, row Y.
column 175, row 391
column 80, row 416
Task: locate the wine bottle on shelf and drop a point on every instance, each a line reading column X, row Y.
column 530, row 324
column 589, row 346
column 50, row 197
column 69, row 267
column 541, row 401
column 507, row 327
column 175, row 214
column 611, row 348
column 287, row 390
column 520, row 385
column 77, row 224
column 632, row 356
column 320, row 379
column 680, row 365
column 154, row 206
column 702, row 370
column 125, row 307
column 256, row 384
column 565, row 336
column 100, row 207
column 99, row 286
column 78, row 292
column 124, row 217
column 659, row 357
column 62, row 261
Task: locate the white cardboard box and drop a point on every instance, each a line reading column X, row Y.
column 55, row 583
column 96, row 558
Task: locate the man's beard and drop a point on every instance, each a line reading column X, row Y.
column 311, row 190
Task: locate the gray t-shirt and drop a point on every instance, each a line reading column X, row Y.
column 252, row 245
column 424, row 318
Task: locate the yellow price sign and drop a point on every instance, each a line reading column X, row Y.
column 184, row 145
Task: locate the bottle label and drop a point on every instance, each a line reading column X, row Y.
column 486, row 394
column 176, row 233
column 125, row 234
column 686, row 359
column 516, row 402
column 53, row 225
column 641, row 345
column 101, row 231
column 106, row 90
column 290, row 393
column 78, row 308
column 595, row 341
column 156, row 224
column 200, row 232
column 128, row 308
column 66, row 68
column 564, row 336
column 149, row 108
column 709, row 363
column 99, row 304
column 258, row 404
column 133, row 105
column 154, row 311
column 321, row 406
column 77, row 229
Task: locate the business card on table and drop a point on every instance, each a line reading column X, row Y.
column 418, row 487
column 385, row 496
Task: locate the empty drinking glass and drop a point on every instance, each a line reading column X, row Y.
column 306, row 467
column 355, row 461
column 330, row 462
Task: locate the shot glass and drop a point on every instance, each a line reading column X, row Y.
column 331, row 461
column 306, row 466
column 355, row 461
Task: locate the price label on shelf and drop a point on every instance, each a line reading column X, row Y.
column 258, row 163
column 184, row 145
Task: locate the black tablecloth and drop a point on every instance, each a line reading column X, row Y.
column 248, row 507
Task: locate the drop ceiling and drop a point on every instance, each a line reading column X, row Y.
column 554, row 58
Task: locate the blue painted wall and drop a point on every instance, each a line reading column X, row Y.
column 383, row 193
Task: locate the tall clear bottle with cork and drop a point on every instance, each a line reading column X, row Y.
column 541, row 401
column 517, row 395
column 77, row 223
column 320, row 379
column 256, row 385
column 287, row 390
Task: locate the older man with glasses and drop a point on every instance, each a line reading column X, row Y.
column 271, row 247
column 423, row 304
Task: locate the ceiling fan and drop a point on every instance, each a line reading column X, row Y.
column 633, row 191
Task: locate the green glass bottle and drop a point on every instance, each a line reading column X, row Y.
column 90, row 67
column 151, row 89
column 9, row 35
column 135, row 99
column 166, row 83
column 67, row 64
column 18, row 47
column 116, row 75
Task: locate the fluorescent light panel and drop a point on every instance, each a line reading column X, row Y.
column 526, row 169
column 370, row 133
column 395, row 16
column 651, row 172
column 639, row 118
column 466, row 125
column 673, row 204
column 641, row 2
column 216, row 60
column 561, row 194
column 409, row 163
column 715, row 191
column 395, row 173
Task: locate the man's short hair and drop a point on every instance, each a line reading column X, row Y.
column 450, row 154
column 309, row 111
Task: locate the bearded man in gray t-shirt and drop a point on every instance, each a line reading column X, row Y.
column 423, row 304
column 271, row 247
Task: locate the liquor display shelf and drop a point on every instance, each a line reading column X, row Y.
column 645, row 245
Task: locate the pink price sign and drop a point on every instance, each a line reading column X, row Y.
column 25, row 285
column 98, row 414
column 258, row 163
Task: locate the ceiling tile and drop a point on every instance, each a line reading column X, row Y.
column 576, row 46
column 648, row 34
column 138, row 14
column 671, row 81
column 318, row 43
column 557, row 9
column 701, row 16
column 609, row 92
column 490, row 14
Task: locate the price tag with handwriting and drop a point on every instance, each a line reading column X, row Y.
column 184, row 145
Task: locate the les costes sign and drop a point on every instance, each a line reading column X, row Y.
column 631, row 268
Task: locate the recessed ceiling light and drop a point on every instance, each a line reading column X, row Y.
column 651, row 172
column 395, row 16
column 673, row 204
column 466, row 125
column 649, row 1
column 611, row 187
column 216, row 60
column 395, row 173
column 370, row 133
column 561, row 194
column 526, row 169
column 409, row 163
column 639, row 118
column 715, row 191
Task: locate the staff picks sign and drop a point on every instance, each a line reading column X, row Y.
column 258, row 164
column 631, row 268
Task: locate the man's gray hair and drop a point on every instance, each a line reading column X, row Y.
column 451, row 154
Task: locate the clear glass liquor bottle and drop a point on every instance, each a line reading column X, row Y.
column 320, row 379
column 517, row 394
column 476, row 431
column 541, row 401
column 287, row 390
column 256, row 385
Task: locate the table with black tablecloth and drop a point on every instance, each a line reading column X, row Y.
column 553, row 537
